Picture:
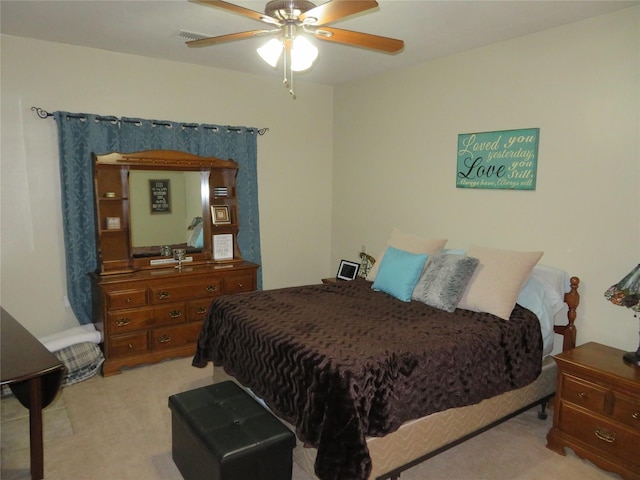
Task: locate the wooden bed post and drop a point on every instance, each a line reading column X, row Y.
column 572, row 299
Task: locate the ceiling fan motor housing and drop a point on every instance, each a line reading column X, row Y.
column 287, row 9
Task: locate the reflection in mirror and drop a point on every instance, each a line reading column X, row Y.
column 166, row 210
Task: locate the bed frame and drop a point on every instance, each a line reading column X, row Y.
column 423, row 438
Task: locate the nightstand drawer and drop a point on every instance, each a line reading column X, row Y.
column 583, row 393
column 599, row 433
column 627, row 411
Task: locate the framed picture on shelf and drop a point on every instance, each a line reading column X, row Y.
column 223, row 246
column 220, row 214
column 113, row 223
column 347, row 270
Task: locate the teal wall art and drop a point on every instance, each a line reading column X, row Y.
column 506, row 159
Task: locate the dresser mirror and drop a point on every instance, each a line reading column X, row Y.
column 166, row 210
column 150, row 203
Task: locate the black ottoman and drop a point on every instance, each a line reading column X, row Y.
column 219, row 432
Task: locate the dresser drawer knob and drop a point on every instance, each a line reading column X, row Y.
column 201, row 310
column 636, row 415
column 211, row 288
column 163, row 295
column 605, row 435
column 123, row 322
column 240, row 284
column 175, row 314
column 582, row 395
column 130, row 345
column 128, row 300
column 164, row 339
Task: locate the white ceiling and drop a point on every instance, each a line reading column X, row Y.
column 430, row 29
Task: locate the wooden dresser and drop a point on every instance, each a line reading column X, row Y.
column 149, row 315
column 156, row 210
column 597, row 409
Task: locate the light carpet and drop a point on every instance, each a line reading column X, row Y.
column 119, row 428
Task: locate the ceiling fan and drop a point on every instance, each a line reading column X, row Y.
column 289, row 20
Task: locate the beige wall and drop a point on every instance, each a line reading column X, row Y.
column 294, row 159
column 362, row 158
column 395, row 155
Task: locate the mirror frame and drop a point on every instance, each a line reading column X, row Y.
column 112, row 199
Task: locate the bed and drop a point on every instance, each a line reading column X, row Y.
column 373, row 383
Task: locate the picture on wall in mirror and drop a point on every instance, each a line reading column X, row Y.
column 220, row 214
column 160, row 191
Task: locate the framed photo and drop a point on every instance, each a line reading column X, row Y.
column 113, row 223
column 347, row 270
column 160, row 191
column 223, row 247
column 220, row 214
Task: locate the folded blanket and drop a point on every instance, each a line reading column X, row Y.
column 66, row 338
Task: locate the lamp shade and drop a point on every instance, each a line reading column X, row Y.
column 303, row 54
column 626, row 292
column 270, row 51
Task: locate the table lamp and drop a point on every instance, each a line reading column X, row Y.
column 626, row 293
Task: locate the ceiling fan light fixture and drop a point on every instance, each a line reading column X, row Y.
column 303, row 54
column 270, row 52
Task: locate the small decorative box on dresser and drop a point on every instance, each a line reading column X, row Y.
column 597, row 409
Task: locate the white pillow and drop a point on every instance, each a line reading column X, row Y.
column 409, row 243
column 498, row 280
column 556, row 283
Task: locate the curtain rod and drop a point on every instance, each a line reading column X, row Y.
column 42, row 113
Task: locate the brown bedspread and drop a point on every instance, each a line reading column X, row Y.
column 342, row 362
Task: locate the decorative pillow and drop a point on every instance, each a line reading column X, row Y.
column 409, row 243
column 444, row 280
column 399, row 272
column 496, row 283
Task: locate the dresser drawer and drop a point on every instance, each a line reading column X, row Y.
column 627, row 410
column 126, row 299
column 239, row 283
column 128, row 320
column 170, row 337
column 210, row 288
column 198, row 309
column 128, row 344
column 583, row 393
column 598, row 432
column 170, row 314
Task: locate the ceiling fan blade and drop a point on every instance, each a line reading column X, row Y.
column 365, row 40
column 334, row 10
column 239, row 10
column 205, row 42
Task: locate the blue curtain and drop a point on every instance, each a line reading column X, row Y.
column 81, row 134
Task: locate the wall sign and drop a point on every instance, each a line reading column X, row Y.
column 498, row 160
column 160, row 196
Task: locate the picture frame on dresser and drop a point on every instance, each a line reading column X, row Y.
column 220, row 215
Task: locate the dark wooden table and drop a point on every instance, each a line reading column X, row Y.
column 34, row 375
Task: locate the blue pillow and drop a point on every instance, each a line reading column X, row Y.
column 399, row 272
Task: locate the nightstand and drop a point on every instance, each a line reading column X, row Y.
column 597, row 409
